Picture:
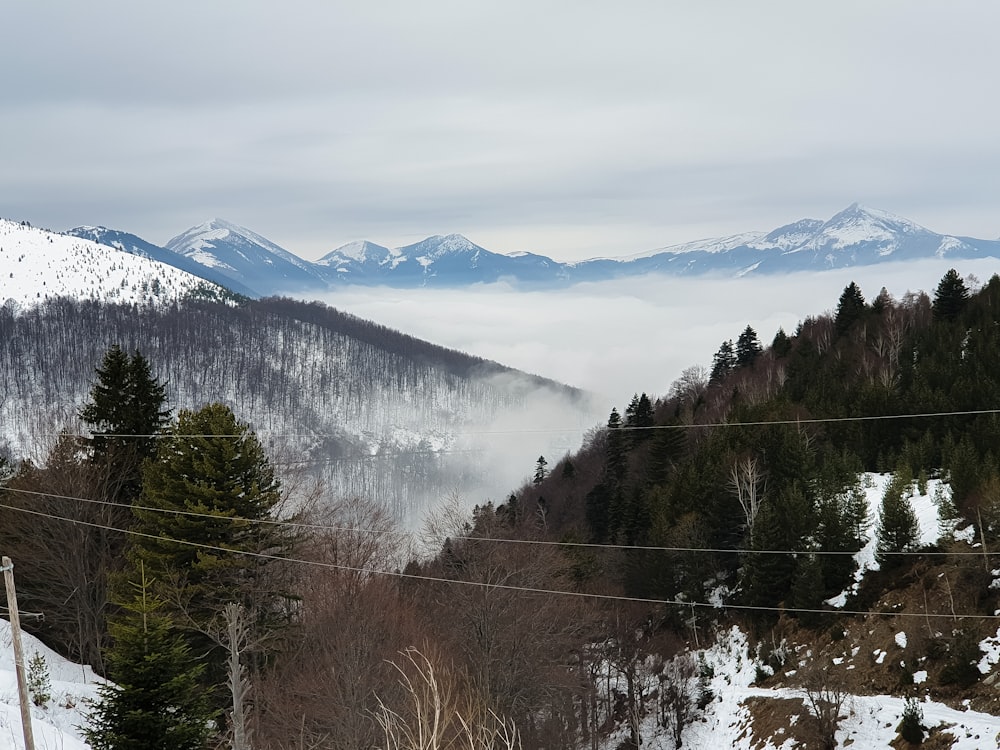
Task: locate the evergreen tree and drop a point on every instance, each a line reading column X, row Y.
column 781, row 345
column 808, row 589
column 723, row 362
column 155, row 701
column 747, row 347
column 617, row 454
column 850, row 308
column 126, row 410
column 950, row 297
column 882, row 301
column 212, row 465
column 898, row 529
column 540, row 471
column 604, row 500
column 639, row 417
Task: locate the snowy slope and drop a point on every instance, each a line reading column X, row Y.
column 130, row 243
column 55, row 725
column 36, row 265
column 248, row 258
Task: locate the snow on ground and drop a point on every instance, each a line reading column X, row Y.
column 55, row 725
column 870, row 721
column 925, row 506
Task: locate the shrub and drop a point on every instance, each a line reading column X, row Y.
column 911, row 726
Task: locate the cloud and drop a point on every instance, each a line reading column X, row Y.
column 568, row 129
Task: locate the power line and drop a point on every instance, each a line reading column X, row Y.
column 557, row 430
column 503, row 586
column 501, row 540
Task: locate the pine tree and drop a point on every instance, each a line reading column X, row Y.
column 849, row 309
column 898, row 529
column 211, row 466
column 126, row 410
column 639, row 417
column 950, row 297
column 723, row 362
column 747, row 347
column 540, row 471
column 155, row 701
column 781, row 345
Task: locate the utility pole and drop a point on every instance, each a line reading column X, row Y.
column 15, row 631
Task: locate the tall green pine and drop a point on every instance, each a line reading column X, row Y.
column 723, row 362
column 747, row 347
column 127, row 408
column 898, row 529
column 950, row 297
column 850, row 308
column 211, row 466
column 155, row 701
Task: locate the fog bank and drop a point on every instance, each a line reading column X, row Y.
column 622, row 337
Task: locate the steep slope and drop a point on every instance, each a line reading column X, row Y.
column 39, row 265
column 248, row 258
column 130, row 243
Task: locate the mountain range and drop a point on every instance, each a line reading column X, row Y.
column 367, row 410
column 250, row 264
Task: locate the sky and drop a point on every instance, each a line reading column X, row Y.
column 572, row 129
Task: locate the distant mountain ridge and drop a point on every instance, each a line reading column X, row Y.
column 856, row 236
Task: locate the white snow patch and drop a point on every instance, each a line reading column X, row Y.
column 57, row 723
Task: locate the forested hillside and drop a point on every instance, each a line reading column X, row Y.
column 370, row 411
column 690, row 576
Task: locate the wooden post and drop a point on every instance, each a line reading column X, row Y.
column 15, row 631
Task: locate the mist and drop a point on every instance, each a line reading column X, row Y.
column 622, row 337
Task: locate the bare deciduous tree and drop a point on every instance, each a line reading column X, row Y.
column 825, row 700
column 748, row 482
column 439, row 710
column 679, row 694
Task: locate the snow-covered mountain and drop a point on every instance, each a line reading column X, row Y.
column 450, row 260
column 247, row 258
column 255, row 266
column 38, row 265
column 135, row 245
column 856, row 236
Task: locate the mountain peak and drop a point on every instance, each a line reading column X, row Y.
column 438, row 245
column 858, row 212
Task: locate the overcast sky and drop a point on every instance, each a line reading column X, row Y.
column 572, row 129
